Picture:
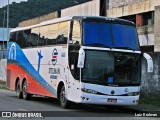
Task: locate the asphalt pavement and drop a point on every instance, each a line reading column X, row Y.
column 47, row 108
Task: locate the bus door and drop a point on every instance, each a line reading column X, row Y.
column 74, row 76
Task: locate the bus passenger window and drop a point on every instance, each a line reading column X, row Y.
column 52, row 34
column 63, row 33
column 34, row 36
column 43, row 36
column 76, row 32
column 26, row 35
column 13, row 37
column 20, row 39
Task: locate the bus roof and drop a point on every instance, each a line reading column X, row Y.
column 116, row 20
column 43, row 23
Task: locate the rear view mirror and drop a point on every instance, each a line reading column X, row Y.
column 149, row 62
column 81, row 58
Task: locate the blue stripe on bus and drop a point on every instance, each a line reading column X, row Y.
column 24, row 62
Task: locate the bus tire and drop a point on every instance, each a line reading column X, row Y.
column 18, row 90
column 26, row 95
column 64, row 103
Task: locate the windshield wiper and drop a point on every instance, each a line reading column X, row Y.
column 99, row 45
column 128, row 48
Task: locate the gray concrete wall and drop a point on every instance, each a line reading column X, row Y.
column 150, row 84
column 38, row 20
column 3, row 63
column 88, row 8
column 118, row 3
column 133, row 8
column 157, row 29
column 3, row 54
column 146, row 35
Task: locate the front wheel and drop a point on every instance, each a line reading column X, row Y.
column 25, row 94
column 62, row 98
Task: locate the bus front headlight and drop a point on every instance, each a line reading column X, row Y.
column 89, row 91
column 133, row 93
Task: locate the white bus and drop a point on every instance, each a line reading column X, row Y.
column 81, row 59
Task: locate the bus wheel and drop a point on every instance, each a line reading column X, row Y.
column 62, row 98
column 26, row 95
column 18, row 91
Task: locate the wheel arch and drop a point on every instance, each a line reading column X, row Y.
column 16, row 81
column 61, row 83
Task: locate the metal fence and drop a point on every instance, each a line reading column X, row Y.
column 3, row 54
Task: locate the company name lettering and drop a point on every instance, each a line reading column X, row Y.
column 54, row 70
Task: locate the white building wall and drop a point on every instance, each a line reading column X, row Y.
column 3, row 63
column 146, row 39
column 89, row 8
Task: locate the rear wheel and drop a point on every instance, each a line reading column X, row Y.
column 62, row 98
column 25, row 94
column 18, row 90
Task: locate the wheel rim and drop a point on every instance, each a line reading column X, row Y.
column 62, row 96
column 24, row 89
column 18, row 89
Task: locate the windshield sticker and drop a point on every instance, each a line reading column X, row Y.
column 63, row 55
column 110, row 79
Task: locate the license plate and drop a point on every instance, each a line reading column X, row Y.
column 112, row 100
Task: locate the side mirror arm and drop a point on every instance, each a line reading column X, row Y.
column 81, row 58
column 149, row 62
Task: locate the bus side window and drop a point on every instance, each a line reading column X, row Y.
column 34, row 36
column 13, row 37
column 76, row 32
column 52, row 34
column 43, row 34
column 26, row 35
column 20, row 38
column 63, row 28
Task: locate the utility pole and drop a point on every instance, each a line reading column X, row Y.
column 4, row 16
column 7, row 25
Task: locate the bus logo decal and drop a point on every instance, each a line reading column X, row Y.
column 54, row 56
column 39, row 59
column 12, row 52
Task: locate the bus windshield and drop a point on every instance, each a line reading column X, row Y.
column 110, row 35
column 104, row 67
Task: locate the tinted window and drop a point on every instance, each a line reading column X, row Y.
column 34, row 38
column 20, row 39
column 26, row 35
column 110, row 35
column 40, row 36
column 52, row 34
column 76, row 32
column 13, row 37
column 63, row 33
column 43, row 36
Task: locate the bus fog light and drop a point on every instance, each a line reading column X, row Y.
column 82, row 98
column 87, row 98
